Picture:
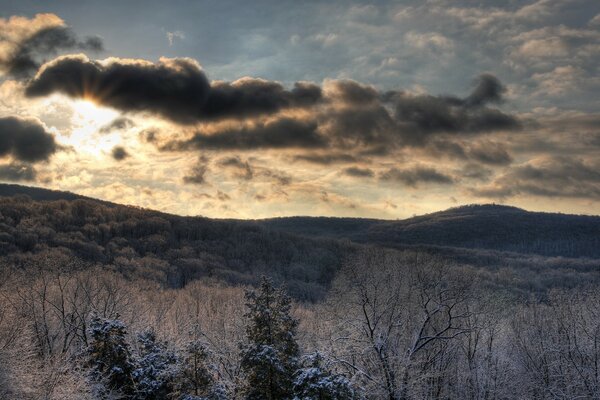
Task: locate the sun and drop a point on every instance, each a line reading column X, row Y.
column 88, row 112
column 86, row 136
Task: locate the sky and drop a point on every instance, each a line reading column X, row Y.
column 236, row 109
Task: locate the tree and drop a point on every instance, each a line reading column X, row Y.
column 109, row 355
column 196, row 377
column 270, row 358
column 156, row 371
column 314, row 382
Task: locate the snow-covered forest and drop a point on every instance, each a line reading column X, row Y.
column 109, row 302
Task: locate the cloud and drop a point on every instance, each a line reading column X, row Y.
column 432, row 41
column 16, row 172
column 341, row 116
column 489, row 153
column 119, row 153
column 422, row 115
column 242, row 168
column 171, row 36
column 280, row 133
column 557, row 176
column 24, row 43
column 176, row 89
column 248, row 97
column 25, row 140
column 325, row 158
column 414, row 176
column 488, row 89
column 197, row 174
column 476, row 172
column 358, row 172
column 117, row 124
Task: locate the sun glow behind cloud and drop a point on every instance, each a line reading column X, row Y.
column 87, row 119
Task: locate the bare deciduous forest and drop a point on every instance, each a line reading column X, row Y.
column 106, row 301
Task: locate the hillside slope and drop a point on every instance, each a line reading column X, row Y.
column 491, row 227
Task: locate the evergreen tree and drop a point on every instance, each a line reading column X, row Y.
column 314, row 382
column 156, row 371
column 195, row 375
column 270, row 358
column 110, row 357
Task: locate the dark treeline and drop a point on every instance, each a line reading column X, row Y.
column 173, row 250
column 491, row 227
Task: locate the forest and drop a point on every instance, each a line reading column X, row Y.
column 104, row 301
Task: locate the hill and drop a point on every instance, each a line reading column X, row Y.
column 487, row 226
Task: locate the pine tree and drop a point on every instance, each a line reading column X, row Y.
column 109, row 356
column 195, row 375
column 270, row 358
column 156, row 371
column 314, row 382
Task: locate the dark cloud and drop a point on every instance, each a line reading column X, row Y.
column 488, row 89
column 358, row 172
column 325, row 158
column 485, row 152
column 476, row 172
column 419, row 117
column 248, row 97
column 197, row 175
column 490, row 153
column 120, row 123
column 414, row 176
column 547, row 177
column 351, row 92
column 119, row 153
column 176, row 89
column 280, row 178
column 243, row 169
column 25, row 140
column 16, row 172
column 281, row 133
column 22, row 59
column 344, row 115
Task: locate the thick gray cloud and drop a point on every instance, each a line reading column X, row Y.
column 414, row 176
column 488, row 89
column 176, row 89
column 249, row 97
column 16, row 172
column 420, row 116
column 25, row 140
column 343, row 115
column 281, row 133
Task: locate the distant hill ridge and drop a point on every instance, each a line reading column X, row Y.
column 477, row 226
